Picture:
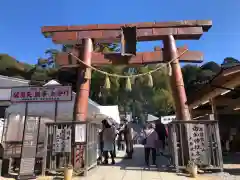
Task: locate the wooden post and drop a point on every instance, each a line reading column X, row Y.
column 82, row 95
column 177, row 84
column 214, row 109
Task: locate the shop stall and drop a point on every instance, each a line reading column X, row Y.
column 42, row 113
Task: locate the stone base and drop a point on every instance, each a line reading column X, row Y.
column 27, row 177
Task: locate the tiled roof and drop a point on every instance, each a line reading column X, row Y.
column 219, row 81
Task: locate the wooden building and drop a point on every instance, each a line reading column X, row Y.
column 220, row 99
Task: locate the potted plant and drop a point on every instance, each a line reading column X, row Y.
column 192, row 168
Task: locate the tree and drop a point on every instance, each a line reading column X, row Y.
column 229, row 62
column 212, row 66
column 50, row 61
column 195, row 76
column 190, row 76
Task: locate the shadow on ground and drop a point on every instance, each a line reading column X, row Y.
column 231, row 163
column 138, row 162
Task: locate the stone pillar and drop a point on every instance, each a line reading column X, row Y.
column 177, row 84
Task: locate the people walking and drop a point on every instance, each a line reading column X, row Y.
column 100, row 147
column 120, row 140
column 150, row 143
column 108, row 141
column 162, row 135
column 128, row 137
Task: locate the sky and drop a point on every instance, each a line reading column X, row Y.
column 21, row 22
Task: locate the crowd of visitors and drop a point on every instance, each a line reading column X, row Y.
column 109, row 134
column 152, row 137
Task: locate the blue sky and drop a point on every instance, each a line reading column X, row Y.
column 21, row 21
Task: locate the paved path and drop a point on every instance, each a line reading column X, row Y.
column 135, row 169
column 127, row 169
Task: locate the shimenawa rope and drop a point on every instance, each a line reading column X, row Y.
column 133, row 75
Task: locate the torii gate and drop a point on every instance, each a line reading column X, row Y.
column 128, row 34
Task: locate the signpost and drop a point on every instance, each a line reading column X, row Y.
column 80, row 133
column 29, row 146
column 41, row 94
column 63, row 140
column 198, row 147
column 167, row 119
column 30, row 94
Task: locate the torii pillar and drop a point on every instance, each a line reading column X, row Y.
column 176, row 80
column 83, row 83
column 83, row 89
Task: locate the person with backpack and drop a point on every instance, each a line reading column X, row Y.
column 150, row 143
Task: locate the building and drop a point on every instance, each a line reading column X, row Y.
column 219, row 99
column 6, row 83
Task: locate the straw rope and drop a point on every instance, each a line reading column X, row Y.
column 129, row 76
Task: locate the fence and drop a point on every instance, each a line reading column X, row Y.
column 70, row 143
column 198, row 141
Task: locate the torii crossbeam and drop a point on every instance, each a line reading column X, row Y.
column 98, row 59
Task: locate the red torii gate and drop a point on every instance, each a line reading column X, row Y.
column 169, row 32
column 166, row 31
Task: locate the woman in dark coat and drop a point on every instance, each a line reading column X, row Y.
column 129, row 140
column 120, row 140
column 101, row 146
column 162, row 133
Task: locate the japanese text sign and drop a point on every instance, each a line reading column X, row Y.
column 41, row 94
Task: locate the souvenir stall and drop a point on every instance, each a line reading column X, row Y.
column 53, row 113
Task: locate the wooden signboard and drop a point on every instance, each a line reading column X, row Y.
column 197, row 143
column 63, row 140
column 41, row 94
column 29, row 147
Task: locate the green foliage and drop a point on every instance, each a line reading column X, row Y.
column 11, row 67
column 48, row 62
column 212, row 66
column 229, row 62
column 195, row 76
